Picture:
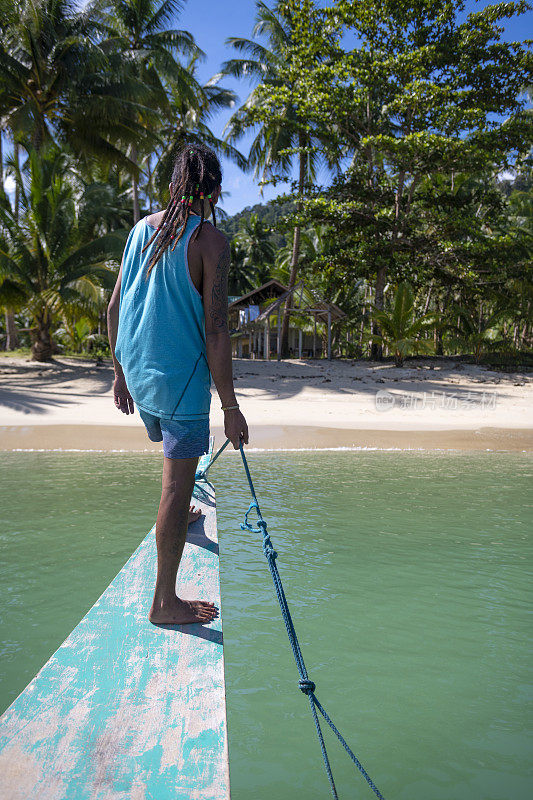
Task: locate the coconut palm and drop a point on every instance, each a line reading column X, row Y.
column 269, row 154
column 75, row 330
column 256, row 247
column 103, row 206
column 137, row 29
column 318, row 248
column 242, row 276
column 12, row 299
column 187, row 120
column 477, row 329
column 43, row 262
column 57, row 84
column 400, row 328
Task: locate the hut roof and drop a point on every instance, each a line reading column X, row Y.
column 267, row 291
column 305, row 300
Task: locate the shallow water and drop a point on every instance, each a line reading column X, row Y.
column 407, row 574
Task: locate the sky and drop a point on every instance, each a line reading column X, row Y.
column 211, row 22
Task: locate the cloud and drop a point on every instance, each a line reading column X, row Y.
column 9, row 184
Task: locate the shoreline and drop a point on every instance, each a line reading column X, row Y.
column 265, row 438
column 312, row 404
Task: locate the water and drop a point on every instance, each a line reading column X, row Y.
column 407, row 574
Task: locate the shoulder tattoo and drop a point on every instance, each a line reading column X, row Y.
column 219, row 293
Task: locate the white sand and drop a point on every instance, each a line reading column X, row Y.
column 280, row 400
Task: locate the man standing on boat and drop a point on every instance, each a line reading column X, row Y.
column 168, row 332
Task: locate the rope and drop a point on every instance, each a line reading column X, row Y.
column 305, row 685
column 201, row 475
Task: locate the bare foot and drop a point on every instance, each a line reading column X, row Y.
column 181, row 612
column 194, row 514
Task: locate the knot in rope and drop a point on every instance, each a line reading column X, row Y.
column 247, row 526
column 268, row 550
column 306, row 686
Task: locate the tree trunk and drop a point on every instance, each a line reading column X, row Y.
column 12, row 339
column 38, row 132
column 376, row 351
column 428, row 299
column 16, row 155
column 295, row 252
column 439, row 351
column 525, row 343
column 41, row 339
column 324, row 342
column 150, row 198
column 136, row 208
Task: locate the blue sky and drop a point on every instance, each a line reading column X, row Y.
column 211, row 22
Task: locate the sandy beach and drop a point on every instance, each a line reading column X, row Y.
column 428, row 404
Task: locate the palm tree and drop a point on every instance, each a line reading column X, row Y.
column 257, row 249
column 477, row 328
column 241, row 276
column 43, row 262
column 137, row 29
column 268, row 153
column 57, row 84
column 400, row 328
column 76, row 330
column 318, row 249
column 187, row 119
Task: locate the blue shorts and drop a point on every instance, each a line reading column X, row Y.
column 181, row 438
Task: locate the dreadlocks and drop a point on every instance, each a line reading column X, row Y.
column 196, row 175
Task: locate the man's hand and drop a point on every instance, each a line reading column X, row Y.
column 123, row 399
column 235, row 427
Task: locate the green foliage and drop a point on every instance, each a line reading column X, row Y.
column 477, row 331
column 254, row 244
column 270, row 214
column 419, row 115
column 74, row 333
column 401, row 327
column 58, row 84
column 426, row 111
column 41, row 252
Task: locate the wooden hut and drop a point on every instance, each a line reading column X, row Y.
column 255, row 321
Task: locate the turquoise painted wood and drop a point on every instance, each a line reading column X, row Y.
column 125, row 710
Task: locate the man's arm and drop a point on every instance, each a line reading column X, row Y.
column 123, row 399
column 215, row 261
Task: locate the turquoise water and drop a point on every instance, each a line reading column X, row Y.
column 407, row 574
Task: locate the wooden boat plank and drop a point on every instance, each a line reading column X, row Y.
column 125, row 710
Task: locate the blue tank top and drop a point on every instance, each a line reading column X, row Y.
column 161, row 330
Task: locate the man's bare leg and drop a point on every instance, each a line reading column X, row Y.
column 171, row 531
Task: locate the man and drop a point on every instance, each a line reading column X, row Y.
column 168, row 333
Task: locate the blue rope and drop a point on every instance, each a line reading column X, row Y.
column 201, row 475
column 306, row 685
